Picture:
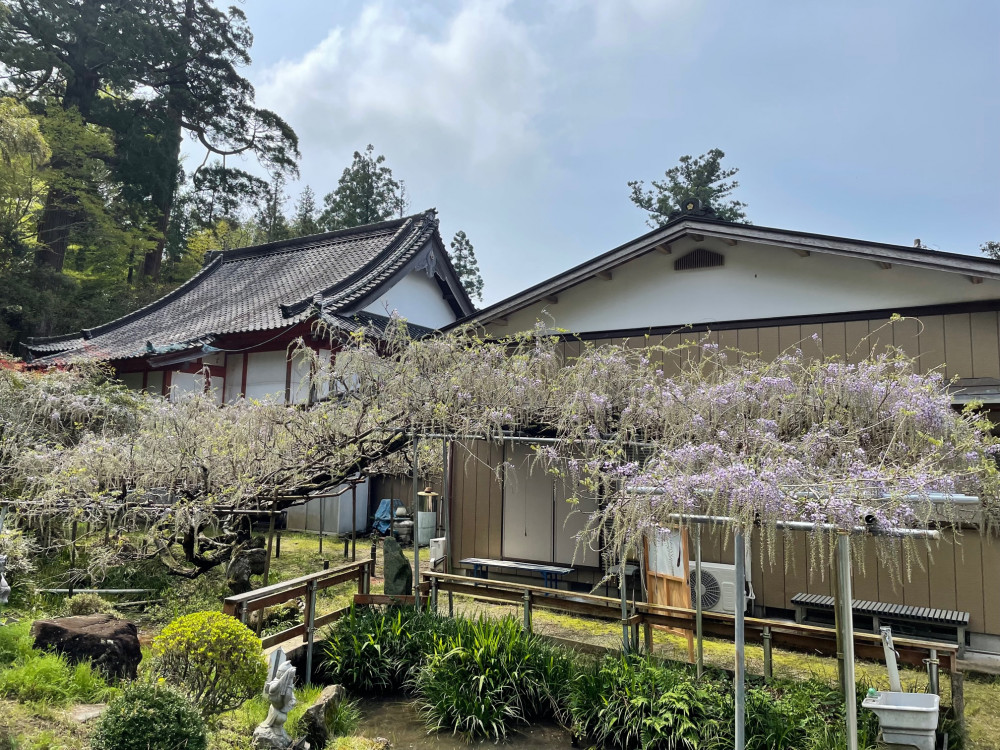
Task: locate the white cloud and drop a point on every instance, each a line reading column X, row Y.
column 465, row 90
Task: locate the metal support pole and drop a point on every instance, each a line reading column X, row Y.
column 277, row 545
column 621, row 588
column 739, row 676
column 370, row 572
column 416, row 522
column 310, row 630
column 451, row 604
column 72, row 558
column 446, row 507
column 527, row 611
column 270, row 537
column 932, row 672
column 838, row 626
column 434, row 594
column 847, row 629
column 768, row 664
column 354, row 522
column 322, row 522
column 699, row 634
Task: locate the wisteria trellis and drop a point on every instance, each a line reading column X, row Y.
column 709, row 430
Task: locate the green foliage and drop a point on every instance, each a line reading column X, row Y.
column 150, row 717
column 213, row 658
column 488, row 677
column 463, row 258
column 366, row 193
column 88, row 604
column 375, row 651
column 991, row 248
column 701, row 177
column 49, row 678
column 345, row 718
column 16, row 643
column 304, row 221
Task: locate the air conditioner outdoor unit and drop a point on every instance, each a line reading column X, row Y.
column 718, row 587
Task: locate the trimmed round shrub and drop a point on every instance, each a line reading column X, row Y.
column 88, row 604
column 213, row 658
column 149, row 717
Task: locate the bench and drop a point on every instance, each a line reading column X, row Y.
column 550, row 573
column 912, row 622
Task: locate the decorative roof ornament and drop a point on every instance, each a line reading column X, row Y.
column 694, row 207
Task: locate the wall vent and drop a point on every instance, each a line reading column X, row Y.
column 700, row 258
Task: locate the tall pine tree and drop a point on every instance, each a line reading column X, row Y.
column 463, row 258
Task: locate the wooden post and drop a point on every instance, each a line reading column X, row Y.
column 371, row 569
column 310, row 629
column 647, row 631
column 958, row 693
column 277, row 545
column 768, row 663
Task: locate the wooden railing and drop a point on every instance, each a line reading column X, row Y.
column 768, row 632
column 242, row 605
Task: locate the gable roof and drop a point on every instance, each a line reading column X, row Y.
column 700, row 225
column 270, row 287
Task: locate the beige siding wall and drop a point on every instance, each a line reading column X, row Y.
column 966, row 345
column 958, row 573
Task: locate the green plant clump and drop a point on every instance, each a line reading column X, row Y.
column 211, row 657
column 88, row 604
column 375, row 651
column 488, row 677
column 150, row 717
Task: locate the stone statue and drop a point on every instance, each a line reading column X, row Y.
column 279, row 690
column 4, row 586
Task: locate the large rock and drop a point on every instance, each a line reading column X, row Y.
column 398, row 573
column 111, row 644
column 317, row 721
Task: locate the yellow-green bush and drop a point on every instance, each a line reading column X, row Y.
column 213, row 658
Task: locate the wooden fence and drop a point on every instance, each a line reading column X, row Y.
column 768, row 632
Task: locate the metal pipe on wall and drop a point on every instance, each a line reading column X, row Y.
column 446, row 503
column 739, row 678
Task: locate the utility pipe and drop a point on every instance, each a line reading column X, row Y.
column 700, row 654
column 739, row 678
column 843, row 554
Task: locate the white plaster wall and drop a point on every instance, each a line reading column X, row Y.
column 417, row 298
column 184, row 383
column 234, row 377
column 757, row 281
column 266, row 375
column 131, row 380
column 301, row 378
column 154, row 383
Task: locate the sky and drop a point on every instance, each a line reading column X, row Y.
column 522, row 121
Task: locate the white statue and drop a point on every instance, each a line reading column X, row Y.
column 4, row 586
column 280, row 692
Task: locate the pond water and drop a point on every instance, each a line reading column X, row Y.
column 397, row 721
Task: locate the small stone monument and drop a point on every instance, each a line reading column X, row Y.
column 279, row 690
column 398, row 573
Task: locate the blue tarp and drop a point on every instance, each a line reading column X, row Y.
column 382, row 514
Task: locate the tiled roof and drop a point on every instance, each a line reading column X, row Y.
column 260, row 288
